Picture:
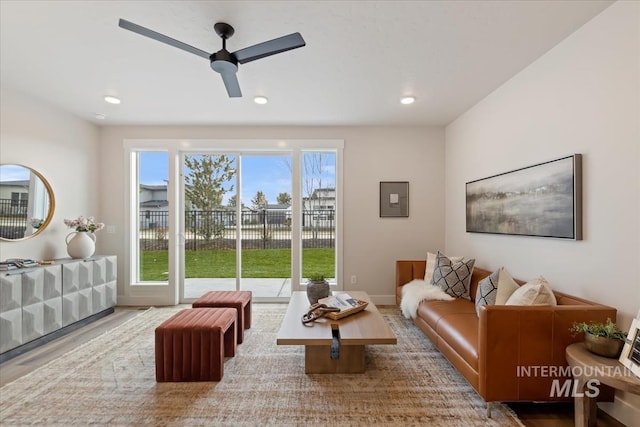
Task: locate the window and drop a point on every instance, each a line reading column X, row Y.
column 152, row 213
column 308, row 210
column 19, row 199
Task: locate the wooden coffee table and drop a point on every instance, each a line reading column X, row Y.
column 357, row 330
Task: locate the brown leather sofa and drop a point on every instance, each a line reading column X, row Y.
column 509, row 353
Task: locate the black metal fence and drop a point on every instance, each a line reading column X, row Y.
column 261, row 229
column 13, row 218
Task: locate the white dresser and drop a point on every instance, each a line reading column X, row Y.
column 41, row 302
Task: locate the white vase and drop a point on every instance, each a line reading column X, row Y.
column 81, row 245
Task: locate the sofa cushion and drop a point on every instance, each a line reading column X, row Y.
column 506, row 287
column 431, row 264
column 487, row 290
column 460, row 331
column 453, row 278
column 535, row 292
column 432, row 311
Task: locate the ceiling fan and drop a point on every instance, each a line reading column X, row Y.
column 223, row 62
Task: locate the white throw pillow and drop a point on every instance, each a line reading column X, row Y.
column 506, row 287
column 431, row 264
column 535, row 292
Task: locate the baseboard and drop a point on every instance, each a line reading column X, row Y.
column 148, row 300
column 622, row 410
column 53, row 335
column 143, row 301
column 382, row 299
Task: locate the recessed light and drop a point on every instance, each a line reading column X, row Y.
column 260, row 100
column 112, row 99
column 100, row 116
column 406, row 100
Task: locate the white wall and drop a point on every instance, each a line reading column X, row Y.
column 64, row 149
column 583, row 96
column 371, row 155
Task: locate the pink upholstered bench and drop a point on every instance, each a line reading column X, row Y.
column 192, row 344
column 240, row 300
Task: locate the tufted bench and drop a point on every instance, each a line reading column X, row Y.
column 191, row 345
column 240, row 300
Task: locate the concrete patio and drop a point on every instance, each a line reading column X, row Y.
column 261, row 288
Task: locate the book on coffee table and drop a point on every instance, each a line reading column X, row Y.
column 345, row 302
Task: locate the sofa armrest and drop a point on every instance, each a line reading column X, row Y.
column 406, row 271
column 518, row 346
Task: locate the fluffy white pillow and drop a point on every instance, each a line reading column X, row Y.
column 506, row 287
column 431, row 264
column 416, row 291
column 535, row 292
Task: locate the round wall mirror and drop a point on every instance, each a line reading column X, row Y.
column 26, row 202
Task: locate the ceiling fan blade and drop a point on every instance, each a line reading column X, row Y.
column 268, row 48
column 231, row 83
column 161, row 38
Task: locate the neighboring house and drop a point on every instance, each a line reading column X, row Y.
column 14, row 196
column 153, row 206
column 322, row 198
column 319, row 208
column 278, row 214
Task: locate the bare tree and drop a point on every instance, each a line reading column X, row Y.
column 314, row 165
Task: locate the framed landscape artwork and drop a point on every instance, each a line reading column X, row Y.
column 542, row 200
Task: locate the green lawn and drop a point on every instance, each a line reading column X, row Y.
column 256, row 263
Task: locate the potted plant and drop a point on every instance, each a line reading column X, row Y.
column 604, row 339
column 317, row 287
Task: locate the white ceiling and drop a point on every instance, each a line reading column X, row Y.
column 360, row 57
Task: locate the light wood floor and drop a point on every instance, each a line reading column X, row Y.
column 531, row 414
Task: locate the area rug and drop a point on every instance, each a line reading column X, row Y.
column 111, row 381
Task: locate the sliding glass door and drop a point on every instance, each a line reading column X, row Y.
column 209, row 223
column 265, row 261
column 230, row 215
column 318, row 232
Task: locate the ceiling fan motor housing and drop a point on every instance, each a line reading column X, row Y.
column 223, row 62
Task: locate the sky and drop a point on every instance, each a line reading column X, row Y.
column 14, row 173
column 267, row 173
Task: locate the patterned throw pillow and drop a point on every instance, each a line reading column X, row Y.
column 487, row 290
column 431, row 264
column 453, row 278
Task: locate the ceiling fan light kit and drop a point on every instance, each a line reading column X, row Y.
column 224, row 62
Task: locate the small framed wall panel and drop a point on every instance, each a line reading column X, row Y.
column 394, row 199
